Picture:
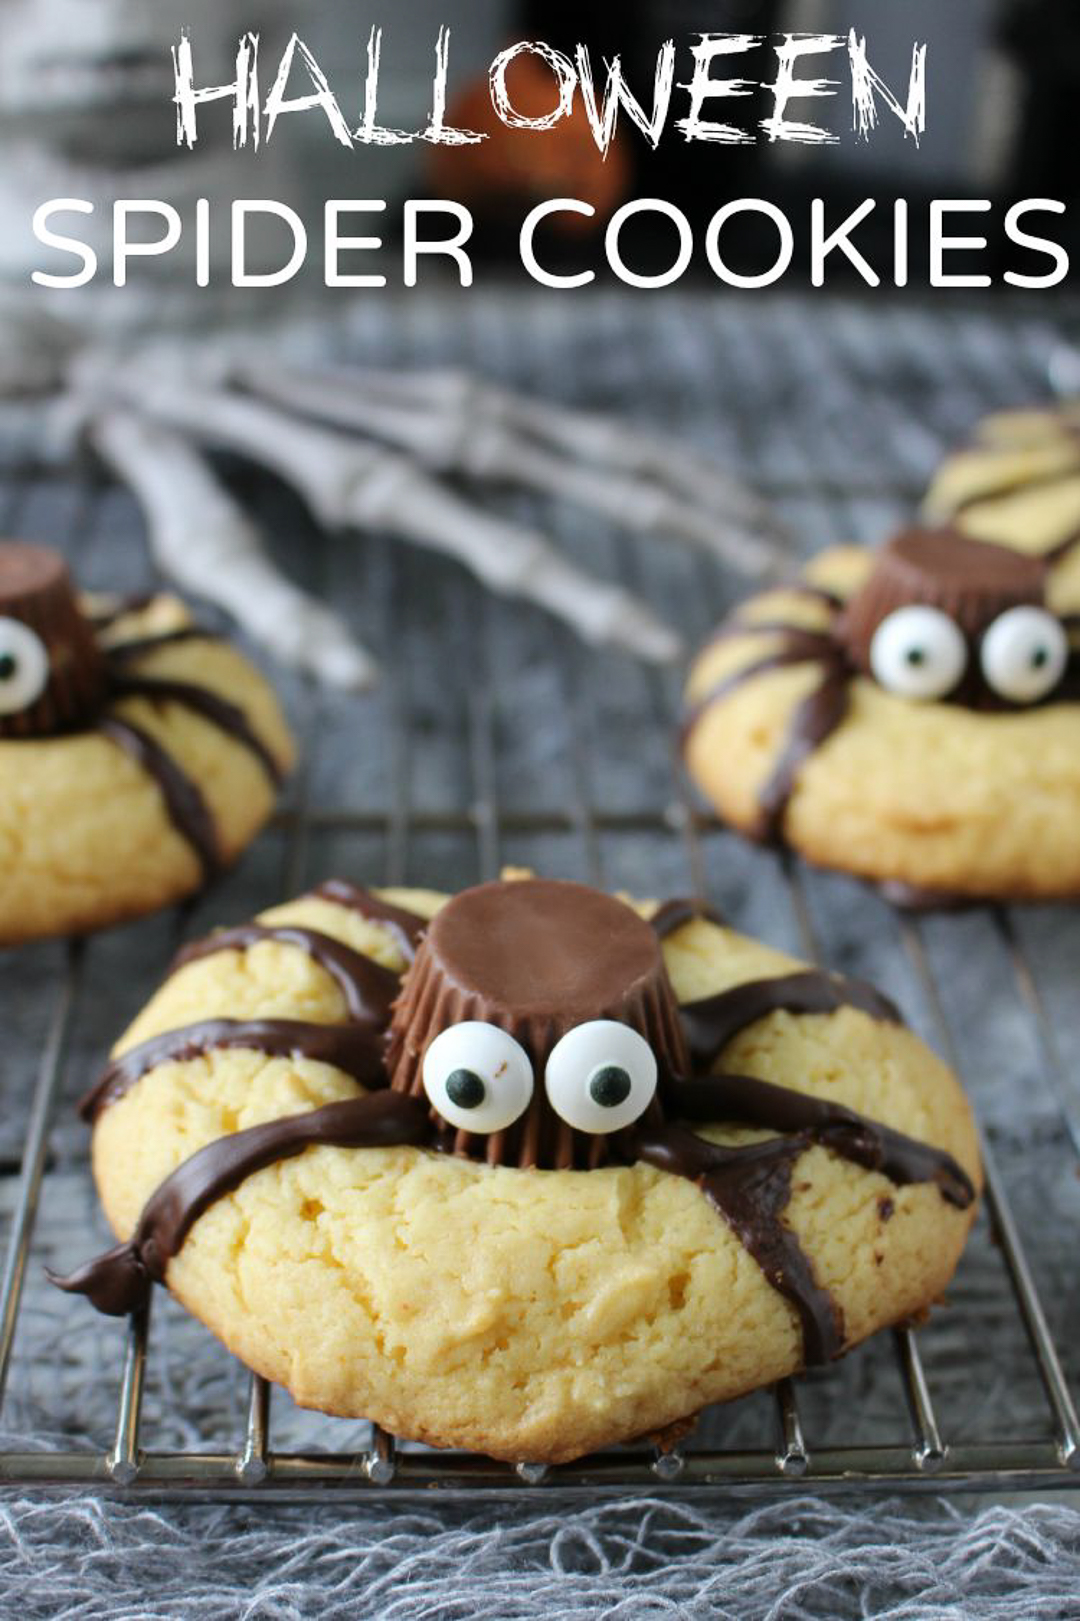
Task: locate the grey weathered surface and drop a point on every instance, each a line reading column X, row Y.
column 839, row 411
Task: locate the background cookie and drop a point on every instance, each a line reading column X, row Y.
column 138, row 754
column 805, row 725
column 526, row 1313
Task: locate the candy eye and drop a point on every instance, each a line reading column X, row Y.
column 24, row 666
column 918, row 652
column 478, row 1077
column 1024, row 654
column 600, row 1077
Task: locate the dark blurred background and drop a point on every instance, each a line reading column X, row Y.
column 1003, row 77
column 87, row 84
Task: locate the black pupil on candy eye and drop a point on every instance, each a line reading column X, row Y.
column 1040, row 658
column 610, row 1086
column 465, row 1088
column 9, row 664
column 916, row 656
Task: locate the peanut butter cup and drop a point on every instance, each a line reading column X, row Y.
column 52, row 672
column 971, row 581
column 536, row 959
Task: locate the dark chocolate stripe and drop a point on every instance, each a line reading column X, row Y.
column 815, row 720
column 732, row 629
column 670, row 917
column 226, row 716
column 353, row 1048
column 795, row 650
column 819, row 593
column 137, row 646
column 121, row 607
column 1058, row 553
column 120, row 1280
column 367, row 986
column 735, row 624
column 406, row 927
column 750, row 1187
column 1005, row 492
column 713, row 1021
column 186, row 808
column 1020, row 486
column 753, row 1102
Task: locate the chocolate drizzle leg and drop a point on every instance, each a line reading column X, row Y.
column 749, row 1101
column 227, row 717
column 805, row 636
column 117, row 608
column 750, row 1187
column 669, row 918
column 814, row 721
column 136, row 647
column 120, row 1280
column 368, row 987
column 713, row 1021
column 798, row 647
column 187, row 810
column 406, row 927
column 354, row 1048
column 1063, row 549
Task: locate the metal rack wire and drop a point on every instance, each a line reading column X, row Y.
column 921, row 1453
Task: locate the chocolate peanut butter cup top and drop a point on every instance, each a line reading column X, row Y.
column 534, row 947
column 971, row 581
column 535, row 959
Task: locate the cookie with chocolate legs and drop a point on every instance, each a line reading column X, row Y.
column 138, row 754
column 911, row 715
column 529, row 1170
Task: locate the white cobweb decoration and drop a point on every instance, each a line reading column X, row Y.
column 796, row 1559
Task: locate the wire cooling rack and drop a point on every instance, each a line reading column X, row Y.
column 496, row 739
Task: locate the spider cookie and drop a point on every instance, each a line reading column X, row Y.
column 527, row 1170
column 138, row 754
column 910, row 715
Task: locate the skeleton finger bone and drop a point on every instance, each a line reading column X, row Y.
column 589, row 435
column 457, row 423
column 207, row 544
column 349, row 484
